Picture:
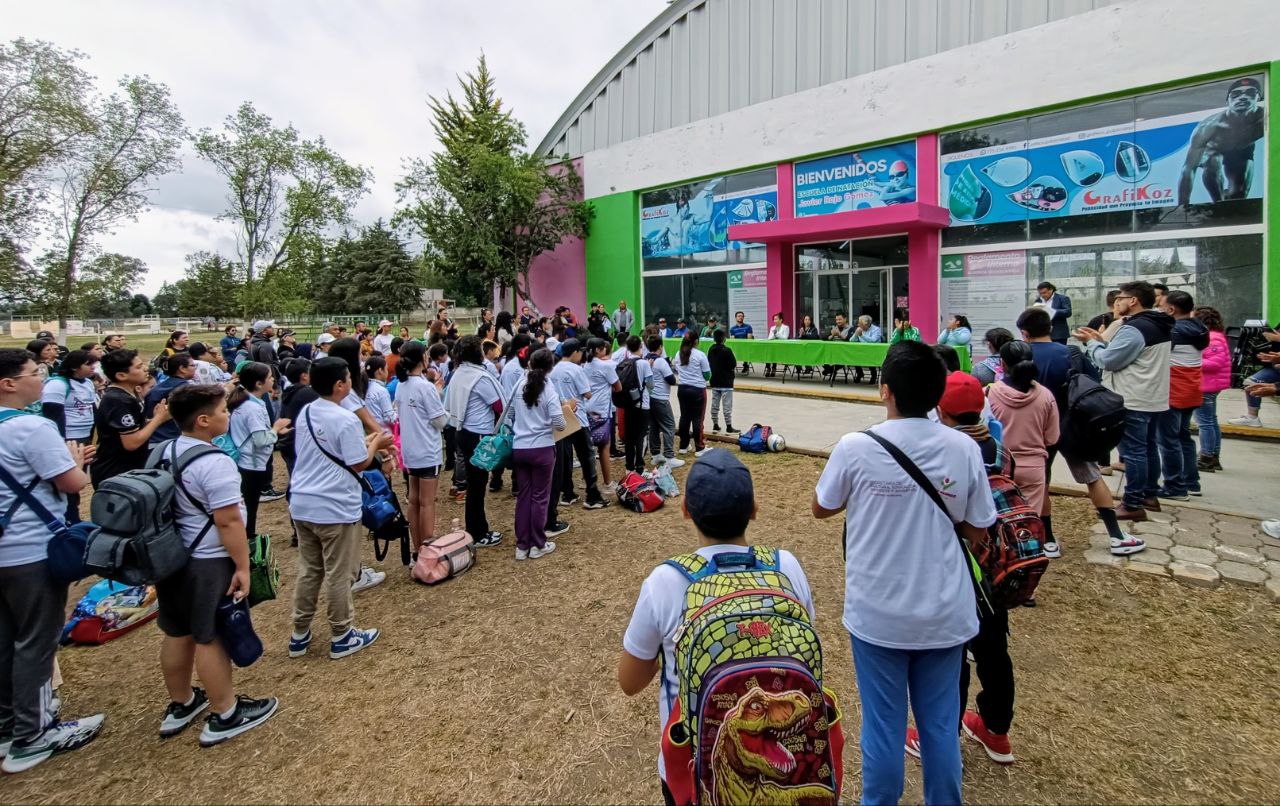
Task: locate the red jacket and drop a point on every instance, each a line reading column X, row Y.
column 1190, row 339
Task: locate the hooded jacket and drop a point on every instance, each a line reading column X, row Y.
column 262, row 350
column 1030, row 421
column 1135, row 364
column 1215, row 364
column 1189, row 338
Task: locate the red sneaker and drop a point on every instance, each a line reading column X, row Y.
column 912, row 745
column 996, row 744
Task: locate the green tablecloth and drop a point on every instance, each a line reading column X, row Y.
column 805, row 353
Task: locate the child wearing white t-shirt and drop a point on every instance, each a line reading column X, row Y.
column 422, row 419
column 253, row 434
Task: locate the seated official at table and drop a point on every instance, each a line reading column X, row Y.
column 777, row 331
column 957, row 332
column 840, row 331
column 867, row 332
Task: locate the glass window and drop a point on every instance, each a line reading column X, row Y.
column 804, row 297
column 822, row 257
column 833, row 298
column 1223, row 272
column 995, row 134
column 662, row 299
column 706, row 294
column 687, row 226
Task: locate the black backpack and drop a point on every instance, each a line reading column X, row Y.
column 1093, row 423
column 629, row 377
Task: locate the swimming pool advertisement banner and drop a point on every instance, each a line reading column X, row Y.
column 699, row 218
column 987, row 287
column 1148, row 164
column 872, row 177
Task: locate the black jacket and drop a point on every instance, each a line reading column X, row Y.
column 723, row 363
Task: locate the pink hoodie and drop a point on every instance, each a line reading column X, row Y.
column 1030, row 421
column 1215, row 364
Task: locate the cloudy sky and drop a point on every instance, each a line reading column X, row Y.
column 356, row 71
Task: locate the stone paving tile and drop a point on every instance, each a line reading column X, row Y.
column 1152, row 556
column 1155, row 569
column 1200, row 541
column 1239, row 554
column 1250, row 539
column 1199, row 574
column 1242, row 573
column 1193, row 554
column 1158, row 542
column 1273, row 588
column 1271, row 551
column 1144, row 529
column 1103, row 557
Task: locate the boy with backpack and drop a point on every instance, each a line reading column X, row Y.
column 720, row 501
column 210, row 514
column 33, row 456
column 636, row 377
column 325, row 503
column 912, row 492
column 662, row 421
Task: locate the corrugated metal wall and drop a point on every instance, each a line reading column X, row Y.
column 726, row 54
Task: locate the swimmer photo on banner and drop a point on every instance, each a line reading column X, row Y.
column 699, row 216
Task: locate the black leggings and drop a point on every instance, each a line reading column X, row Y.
column 252, row 483
column 990, row 648
column 693, row 407
column 477, row 482
column 635, row 427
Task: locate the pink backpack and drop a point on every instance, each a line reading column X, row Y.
column 445, row 557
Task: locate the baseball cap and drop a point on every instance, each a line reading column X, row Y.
column 262, row 324
column 45, row 334
column 719, row 495
column 569, row 347
column 963, row 395
column 325, row 338
column 1245, row 82
column 384, row 323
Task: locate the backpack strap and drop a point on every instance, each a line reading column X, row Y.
column 756, row 558
column 364, row 484
column 178, row 463
column 693, row 566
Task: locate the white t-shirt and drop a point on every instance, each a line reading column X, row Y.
column 30, row 447
column 419, row 404
column 208, row 373
column 378, row 401
column 531, row 426
column 619, row 354
column 353, row 402
column 601, row 375
column 249, row 418
column 510, row 377
column 480, row 418
column 78, row 400
column 214, row 483
column 659, row 612
column 694, row 373
column 571, row 384
column 661, row 369
column 492, row 367
column 644, row 374
column 907, row 585
column 382, row 343
column 320, row 491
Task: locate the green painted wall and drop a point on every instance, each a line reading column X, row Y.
column 613, row 251
column 1271, row 288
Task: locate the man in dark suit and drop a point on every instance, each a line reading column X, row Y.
column 1059, row 308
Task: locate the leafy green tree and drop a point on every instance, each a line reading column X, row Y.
column 165, row 301
column 281, row 188
column 212, row 287
column 139, row 305
column 103, row 288
column 109, row 175
column 44, row 112
column 383, row 278
column 484, row 205
column 20, row 285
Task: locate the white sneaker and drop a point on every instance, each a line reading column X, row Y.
column 682, row 451
column 673, row 463
column 368, row 578
column 60, row 737
column 535, row 552
column 522, row 554
column 1271, row 529
column 1128, row 545
column 1051, row 549
column 703, row 452
column 1246, row 420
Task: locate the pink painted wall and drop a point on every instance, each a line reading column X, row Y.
column 559, row 277
column 922, row 246
column 780, row 257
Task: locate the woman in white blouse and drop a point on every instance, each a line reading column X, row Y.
column 777, row 331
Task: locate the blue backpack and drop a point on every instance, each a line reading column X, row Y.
column 755, row 439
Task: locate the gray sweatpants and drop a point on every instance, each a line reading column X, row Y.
column 724, row 396
column 31, row 612
column 662, row 428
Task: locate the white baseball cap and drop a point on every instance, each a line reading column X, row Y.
column 325, row 338
column 385, row 322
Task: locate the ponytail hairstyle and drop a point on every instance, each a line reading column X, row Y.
column 73, row 361
column 1019, row 365
column 412, row 356
column 539, row 364
column 374, row 363
column 594, row 346
column 520, row 348
column 687, row 344
column 249, row 376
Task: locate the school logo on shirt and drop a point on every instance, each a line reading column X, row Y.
column 947, row 484
column 127, row 420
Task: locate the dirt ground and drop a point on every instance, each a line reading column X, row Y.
column 499, row 687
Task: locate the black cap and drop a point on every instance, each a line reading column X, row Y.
column 45, row 334
column 719, row 495
column 569, row 347
column 1245, row 82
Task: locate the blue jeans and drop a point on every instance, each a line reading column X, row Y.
column 1207, row 421
column 1141, row 457
column 931, row 679
column 1264, row 375
column 1169, row 427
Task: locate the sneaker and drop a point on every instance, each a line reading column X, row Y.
column 702, row 452
column 1051, row 549
column 1123, row 513
column 555, row 531
column 298, row 646
column 1271, row 529
column 490, row 539
column 522, row 554
column 53, row 711
column 1204, row 464
column 1127, row 545
column 674, row 463
column 178, row 715
column 715, row 428
column 351, row 643
column 5, row 743
column 996, row 744
column 599, row 503
column 576, row 464
column 728, row 429
column 248, row 714
column 495, row 485
column 547, row 548
column 1246, row 420
column 1197, row 493
column 60, row 737
column 368, row 578
column 682, row 451
column 270, row 494
column 569, row 499
column 912, row 744
column 610, row 489
column 1152, row 503
column 1172, row 496
column 460, row 497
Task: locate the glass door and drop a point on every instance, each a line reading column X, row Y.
column 833, row 298
column 869, row 287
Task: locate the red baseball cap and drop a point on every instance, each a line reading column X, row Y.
column 962, row 396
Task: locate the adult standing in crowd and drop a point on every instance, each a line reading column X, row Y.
column 382, row 341
column 535, row 415
column 1059, row 308
column 693, row 370
column 228, row 346
column 624, row 319
column 473, row 401
column 262, row 346
column 1135, row 365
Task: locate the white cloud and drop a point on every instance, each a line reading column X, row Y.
column 356, row 72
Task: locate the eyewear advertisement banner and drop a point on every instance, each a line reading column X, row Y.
column 987, row 287
column 1194, row 158
column 700, row 217
column 748, row 292
column 873, row 177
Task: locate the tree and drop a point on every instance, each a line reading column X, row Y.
column 108, row 177
column 44, row 112
column 139, row 305
column 103, row 289
column 19, row 284
column 212, row 286
column 165, row 301
column 486, row 207
column 280, row 187
column 385, row 279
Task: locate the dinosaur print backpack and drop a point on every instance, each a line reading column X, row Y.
column 752, row 723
